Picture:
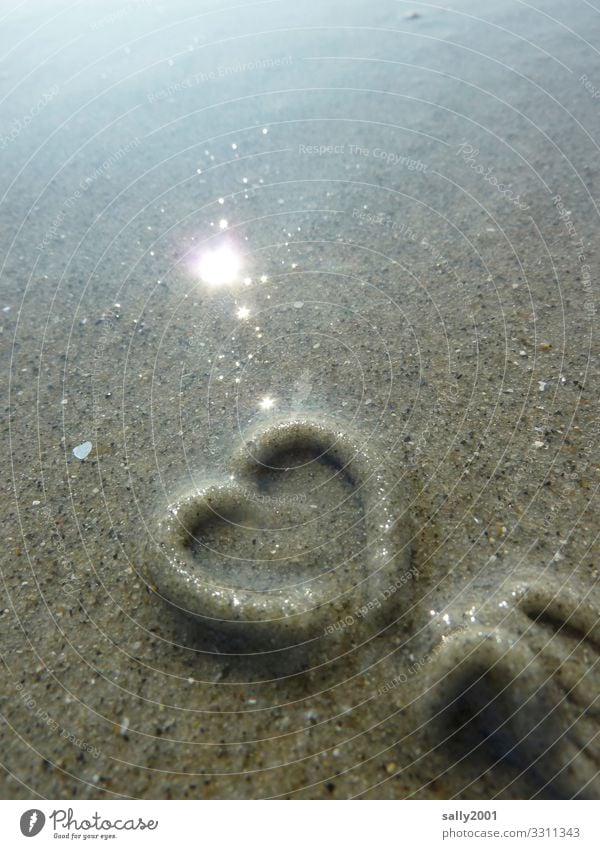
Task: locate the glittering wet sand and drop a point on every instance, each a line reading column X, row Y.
column 211, row 222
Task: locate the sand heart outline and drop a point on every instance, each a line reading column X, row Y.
column 303, row 611
column 533, row 682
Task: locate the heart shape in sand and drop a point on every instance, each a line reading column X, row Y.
column 302, row 592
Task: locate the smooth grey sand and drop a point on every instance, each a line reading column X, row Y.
column 405, row 199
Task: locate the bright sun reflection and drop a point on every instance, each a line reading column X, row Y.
column 243, row 312
column 219, row 266
column 266, row 403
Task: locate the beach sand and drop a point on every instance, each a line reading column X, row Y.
column 377, row 215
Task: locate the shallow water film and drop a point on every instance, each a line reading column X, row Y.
column 301, row 418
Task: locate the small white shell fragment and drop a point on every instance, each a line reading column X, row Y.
column 83, row 450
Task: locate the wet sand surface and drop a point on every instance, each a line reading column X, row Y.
column 377, row 220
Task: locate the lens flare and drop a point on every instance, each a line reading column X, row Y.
column 219, row 266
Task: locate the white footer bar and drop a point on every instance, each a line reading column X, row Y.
column 296, row 825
